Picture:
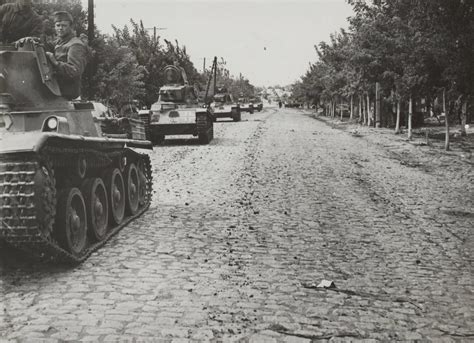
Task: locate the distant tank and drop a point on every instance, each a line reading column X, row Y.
column 65, row 187
column 257, row 103
column 177, row 111
column 224, row 105
column 246, row 105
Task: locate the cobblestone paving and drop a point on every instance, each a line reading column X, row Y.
column 242, row 230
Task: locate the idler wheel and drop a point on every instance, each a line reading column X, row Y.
column 133, row 188
column 116, row 195
column 95, row 196
column 71, row 221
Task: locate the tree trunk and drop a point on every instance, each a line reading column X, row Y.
column 340, row 110
column 367, row 108
column 397, row 124
column 378, row 115
column 360, row 110
column 352, row 107
column 463, row 117
column 446, row 122
column 410, row 115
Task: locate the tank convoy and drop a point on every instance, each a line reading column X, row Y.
column 224, row 105
column 67, row 183
column 177, row 111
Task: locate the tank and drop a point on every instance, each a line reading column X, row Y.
column 65, row 186
column 257, row 103
column 246, row 105
column 224, row 105
column 177, row 111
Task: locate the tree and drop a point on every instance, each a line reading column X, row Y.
column 119, row 77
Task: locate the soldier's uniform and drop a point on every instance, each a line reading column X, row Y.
column 18, row 21
column 71, row 55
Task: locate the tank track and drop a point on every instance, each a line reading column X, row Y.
column 30, row 229
column 205, row 128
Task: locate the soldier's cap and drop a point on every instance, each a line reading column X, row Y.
column 63, row 16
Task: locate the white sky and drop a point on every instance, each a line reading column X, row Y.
column 238, row 31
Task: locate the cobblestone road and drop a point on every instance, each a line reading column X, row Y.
column 241, row 231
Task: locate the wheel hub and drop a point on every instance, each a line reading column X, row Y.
column 98, row 208
column 133, row 190
column 117, row 196
column 75, row 221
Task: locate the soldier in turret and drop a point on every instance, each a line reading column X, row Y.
column 70, row 56
column 18, row 20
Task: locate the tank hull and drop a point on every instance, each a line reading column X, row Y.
column 198, row 124
column 33, row 178
column 227, row 111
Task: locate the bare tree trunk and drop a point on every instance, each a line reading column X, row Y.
column 410, row 115
column 352, row 107
column 340, row 110
column 463, row 117
column 360, row 110
column 368, row 110
column 397, row 124
column 333, row 109
column 378, row 115
column 446, row 122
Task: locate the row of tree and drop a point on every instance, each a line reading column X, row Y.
column 411, row 54
column 127, row 66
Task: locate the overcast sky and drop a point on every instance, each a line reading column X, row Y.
column 270, row 42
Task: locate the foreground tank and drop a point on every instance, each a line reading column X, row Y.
column 65, row 187
column 177, row 111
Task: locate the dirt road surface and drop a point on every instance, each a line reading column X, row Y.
column 241, row 232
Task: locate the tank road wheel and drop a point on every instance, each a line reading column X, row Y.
column 116, row 194
column 132, row 188
column 71, row 221
column 95, row 196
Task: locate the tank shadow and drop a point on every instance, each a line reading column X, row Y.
column 15, row 262
column 180, row 142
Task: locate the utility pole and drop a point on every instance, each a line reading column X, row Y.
column 154, row 28
column 215, row 75
column 90, row 21
column 204, row 65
